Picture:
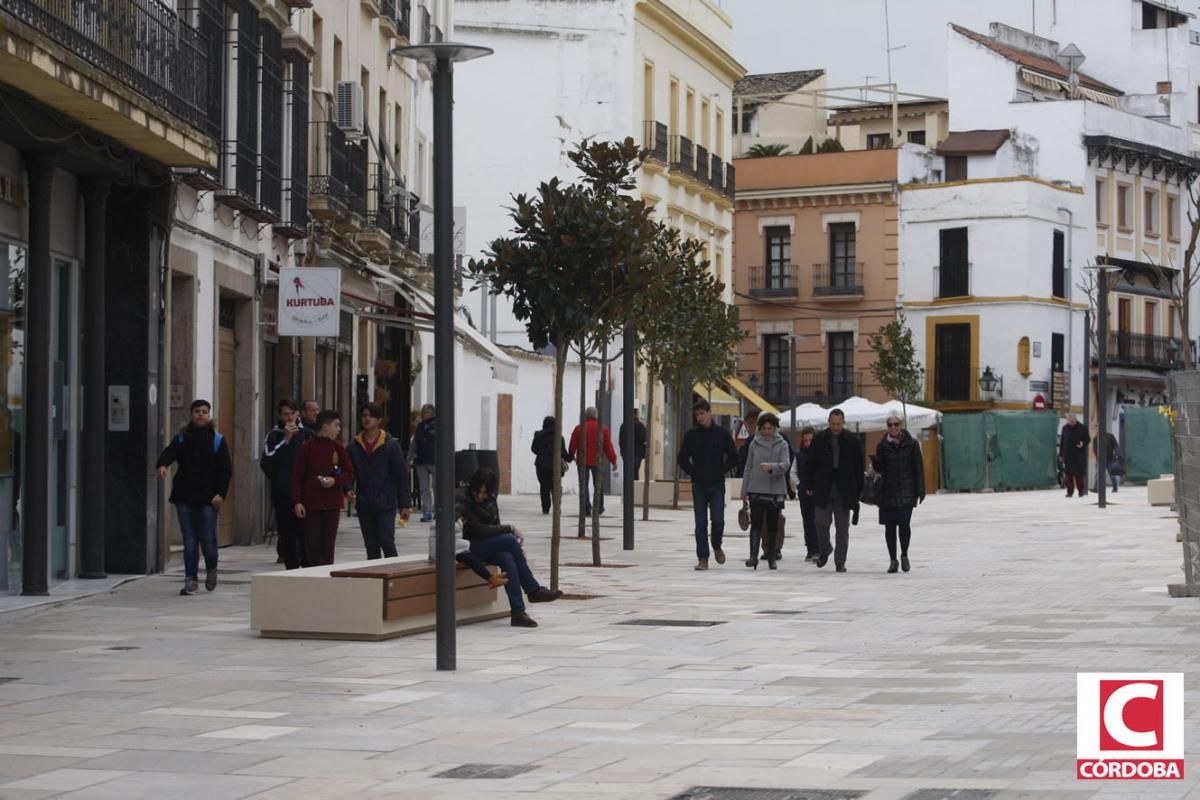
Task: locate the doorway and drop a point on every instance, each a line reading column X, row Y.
column 952, row 362
column 227, row 407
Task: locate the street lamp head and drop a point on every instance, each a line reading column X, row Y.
column 988, row 381
column 432, row 53
column 1173, row 352
column 754, row 384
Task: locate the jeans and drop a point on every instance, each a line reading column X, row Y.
column 378, row 532
column 505, row 552
column 836, row 514
column 1111, row 476
column 289, row 533
column 198, row 523
column 808, row 511
column 593, row 480
column 708, row 503
column 425, row 473
column 320, row 536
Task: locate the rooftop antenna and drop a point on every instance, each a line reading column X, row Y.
column 887, row 32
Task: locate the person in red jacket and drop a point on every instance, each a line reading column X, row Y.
column 593, row 456
column 320, row 477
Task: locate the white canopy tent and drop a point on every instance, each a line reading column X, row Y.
column 862, row 415
column 919, row 417
column 806, row 414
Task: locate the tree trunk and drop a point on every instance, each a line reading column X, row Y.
column 599, row 455
column 560, row 361
column 651, row 378
column 582, row 460
column 679, row 393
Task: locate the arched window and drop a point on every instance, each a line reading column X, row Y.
column 1023, row 357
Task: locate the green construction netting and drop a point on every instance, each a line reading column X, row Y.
column 1147, row 444
column 1020, row 445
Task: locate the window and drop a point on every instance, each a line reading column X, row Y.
column 337, row 62
column 878, row 141
column 1124, row 208
column 916, row 137
column 318, row 61
column 1101, row 202
column 690, row 120
column 775, row 367
column 747, row 122
column 720, row 126
column 1149, row 17
column 1150, row 218
column 704, row 122
column 956, row 168
column 841, row 366
column 1151, row 318
column 1173, row 217
column 779, row 257
column 1023, row 357
column 954, row 271
column 674, row 110
column 648, row 91
column 1171, row 326
column 842, row 254
column 952, row 374
column 1058, row 266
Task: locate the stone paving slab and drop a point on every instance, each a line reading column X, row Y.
column 954, row 681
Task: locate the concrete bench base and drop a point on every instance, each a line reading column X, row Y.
column 1161, row 491
column 311, row 604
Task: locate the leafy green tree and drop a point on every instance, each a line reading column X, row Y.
column 831, row 146
column 896, row 368
column 807, row 149
column 574, row 266
column 768, row 150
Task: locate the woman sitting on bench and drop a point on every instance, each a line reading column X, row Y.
column 495, row 543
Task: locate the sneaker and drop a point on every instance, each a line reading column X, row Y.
column 544, row 594
column 427, row 517
column 701, row 565
column 522, row 620
column 497, row 579
column 210, row 580
column 189, row 588
column 719, row 554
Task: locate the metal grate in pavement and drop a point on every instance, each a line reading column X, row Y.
column 950, row 794
column 123, row 647
column 740, row 793
column 777, row 612
column 486, row 771
column 672, row 623
column 8, row 680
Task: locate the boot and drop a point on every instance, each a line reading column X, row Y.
column 752, row 561
column 894, row 567
column 904, row 565
column 701, row 565
column 522, row 620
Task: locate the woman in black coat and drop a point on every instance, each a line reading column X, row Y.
column 898, row 460
column 543, row 461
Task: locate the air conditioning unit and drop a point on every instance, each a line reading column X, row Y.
column 350, row 108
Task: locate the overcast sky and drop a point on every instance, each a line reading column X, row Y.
column 846, row 37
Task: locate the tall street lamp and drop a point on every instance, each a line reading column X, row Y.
column 441, row 57
column 1102, row 268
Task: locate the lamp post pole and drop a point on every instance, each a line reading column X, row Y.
column 1101, row 385
column 629, row 368
column 441, row 57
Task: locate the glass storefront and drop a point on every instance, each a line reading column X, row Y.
column 13, row 263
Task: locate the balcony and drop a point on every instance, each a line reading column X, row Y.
column 1143, row 350
column 954, row 384
column 774, row 280
column 371, row 7
column 426, row 26
column 729, row 180
column 716, row 173
column 404, row 18
column 841, row 280
column 329, row 187
column 952, row 280
column 414, row 224
column 656, row 140
column 702, row 163
column 683, row 155
column 817, row 386
column 153, row 64
column 387, row 17
column 385, row 224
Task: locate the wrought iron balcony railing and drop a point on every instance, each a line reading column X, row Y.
column 1144, row 350
column 702, row 163
column 716, row 173
column 816, row 386
column 142, row 44
column 774, row 280
column 952, row 280
column 656, row 140
column 841, row 279
column 729, row 181
column 683, row 155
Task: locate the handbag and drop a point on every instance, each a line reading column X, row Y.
column 872, row 491
column 744, row 517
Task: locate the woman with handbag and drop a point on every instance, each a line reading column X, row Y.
column 764, row 485
column 898, row 462
column 543, row 461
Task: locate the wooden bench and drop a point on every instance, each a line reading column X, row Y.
column 365, row 600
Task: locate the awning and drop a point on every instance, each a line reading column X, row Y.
column 721, row 401
column 750, row 395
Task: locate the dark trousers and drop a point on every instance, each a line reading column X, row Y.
column 637, row 468
column 764, row 520
column 198, row 524
column 505, row 552
column 378, row 532
column 808, row 515
column 708, row 504
column 320, row 536
column 593, row 480
column 545, row 476
column 837, row 515
column 896, row 521
column 289, row 533
column 1075, row 481
column 1112, row 476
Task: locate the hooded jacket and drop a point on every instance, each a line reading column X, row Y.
column 424, row 442
column 279, row 455
column 774, row 451
column 543, row 447
column 205, row 468
column 381, row 475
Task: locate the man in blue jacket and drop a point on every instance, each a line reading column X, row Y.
column 381, row 475
column 706, row 455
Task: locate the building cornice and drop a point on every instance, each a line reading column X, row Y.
column 658, row 15
column 951, row 302
column 1136, row 157
column 748, row 199
column 912, row 187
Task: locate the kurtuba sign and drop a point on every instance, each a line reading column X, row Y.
column 309, row 301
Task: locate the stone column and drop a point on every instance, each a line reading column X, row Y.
column 95, row 389
column 39, row 311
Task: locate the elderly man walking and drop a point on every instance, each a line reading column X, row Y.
column 833, row 477
column 1072, row 449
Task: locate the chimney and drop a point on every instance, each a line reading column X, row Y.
column 1023, row 40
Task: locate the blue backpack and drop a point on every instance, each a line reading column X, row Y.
column 217, row 439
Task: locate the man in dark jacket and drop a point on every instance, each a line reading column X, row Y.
column 543, row 460
column 279, row 453
column 1114, row 462
column 381, row 476
column 833, row 477
column 200, row 486
column 308, row 415
column 807, row 508
column 706, row 454
column 1073, row 450
column 639, row 443
column 422, row 454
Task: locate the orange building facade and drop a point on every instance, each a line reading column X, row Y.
column 815, row 271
